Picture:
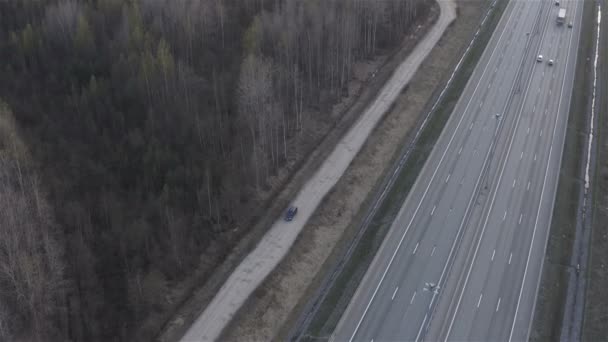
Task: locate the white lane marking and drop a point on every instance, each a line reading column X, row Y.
column 471, row 126
column 510, row 257
column 528, row 130
column 542, row 192
column 416, row 248
column 423, row 322
column 489, row 84
column 520, row 217
column 528, row 188
column 534, row 109
column 413, row 296
column 394, row 293
column 534, row 156
column 485, row 223
column 428, row 186
column 504, row 216
column 479, row 301
column 447, row 179
column 541, row 132
column 433, row 211
column 498, row 305
column 493, row 253
column 433, row 251
column 369, row 303
column 522, row 155
column 460, row 151
column 514, row 181
column 549, row 91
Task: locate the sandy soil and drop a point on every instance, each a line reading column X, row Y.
column 272, row 308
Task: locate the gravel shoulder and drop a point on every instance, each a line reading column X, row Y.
column 275, row 305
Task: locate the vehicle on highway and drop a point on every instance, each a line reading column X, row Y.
column 561, row 16
column 539, row 58
column 291, row 213
column 570, row 24
column 550, row 62
column 431, row 287
column 556, row 2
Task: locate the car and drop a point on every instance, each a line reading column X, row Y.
column 291, row 213
column 556, row 2
column 539, row 58
column 550, row 62
column 570, row 24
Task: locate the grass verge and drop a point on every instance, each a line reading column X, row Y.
column 596, row 301
column 551, row 298
column 339, row 295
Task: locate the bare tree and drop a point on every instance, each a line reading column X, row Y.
column 31, row 266
column 61, row 21
column 254, row 95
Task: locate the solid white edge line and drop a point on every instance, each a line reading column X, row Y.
column 543, row 188
column 437, row 168
column 487, row 217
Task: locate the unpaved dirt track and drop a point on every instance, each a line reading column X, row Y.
column 276, row 243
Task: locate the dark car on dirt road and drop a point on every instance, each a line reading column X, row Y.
column 291, row 213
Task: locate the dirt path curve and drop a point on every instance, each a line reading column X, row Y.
column 277, row 242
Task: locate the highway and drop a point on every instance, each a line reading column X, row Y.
column 475, row 223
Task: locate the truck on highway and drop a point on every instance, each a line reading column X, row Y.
column 561, row 16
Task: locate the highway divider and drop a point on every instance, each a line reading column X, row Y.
column 321, row 316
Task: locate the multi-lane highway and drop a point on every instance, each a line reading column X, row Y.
column 476, row 222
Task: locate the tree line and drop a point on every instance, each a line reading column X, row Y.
column 150, row 128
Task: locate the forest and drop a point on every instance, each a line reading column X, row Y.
column 136, row 134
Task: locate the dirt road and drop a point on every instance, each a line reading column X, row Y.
column 277, row 242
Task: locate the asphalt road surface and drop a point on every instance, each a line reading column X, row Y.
column 463, row 259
